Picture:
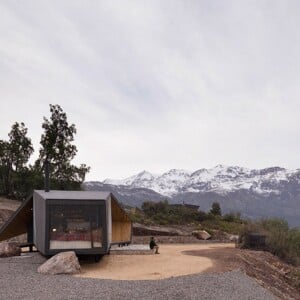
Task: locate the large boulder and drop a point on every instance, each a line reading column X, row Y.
column 201, row 234
column 61, row 263
column 8, row 249
column 234, row 238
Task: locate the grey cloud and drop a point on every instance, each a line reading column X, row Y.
column 157, row 85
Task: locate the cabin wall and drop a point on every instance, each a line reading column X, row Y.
column 121, row 232
column 39, row 222
column 109, row 221
column 121, row 224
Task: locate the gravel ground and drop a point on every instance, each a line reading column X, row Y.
column 20, row 280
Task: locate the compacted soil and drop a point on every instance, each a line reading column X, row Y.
column 185, row 259
column 280, row 278
column 172, row 261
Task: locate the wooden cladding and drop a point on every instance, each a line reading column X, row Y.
column 121, row 232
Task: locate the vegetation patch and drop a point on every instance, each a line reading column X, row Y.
column 273, row 235
column 279, row 238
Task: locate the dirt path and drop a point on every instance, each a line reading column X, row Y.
column 170, row 262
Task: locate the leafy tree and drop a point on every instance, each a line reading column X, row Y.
column 232, row 217
column 5, row 167
column 14, row 156
column 215, row 209
column 58, row 150
column 20, row 146
column 164, row 213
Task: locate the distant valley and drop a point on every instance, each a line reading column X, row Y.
column 256, row 193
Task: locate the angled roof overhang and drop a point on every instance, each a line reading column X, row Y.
column 73, row 195
column 118, row 213
column 19, row 222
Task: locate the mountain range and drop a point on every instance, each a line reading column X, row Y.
column 255, row 193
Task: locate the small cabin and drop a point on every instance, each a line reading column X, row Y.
column 88, row 222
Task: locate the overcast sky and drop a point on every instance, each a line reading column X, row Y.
column 155, row 85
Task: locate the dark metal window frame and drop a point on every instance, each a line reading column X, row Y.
column 66, row 202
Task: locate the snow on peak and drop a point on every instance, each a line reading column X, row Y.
column 219, row 179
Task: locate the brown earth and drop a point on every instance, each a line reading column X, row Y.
column 170, row 262
column 4, row 215
column 281, row 279
column 7, row 208
column 9, row 204
column 183, row 259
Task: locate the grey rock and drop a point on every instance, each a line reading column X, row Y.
column 233, row 237
column 61, row 263
column 8, row 249
column 201, row 234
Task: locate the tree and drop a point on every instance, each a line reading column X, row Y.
column 5, row 167
column 20, row 146
column 215, row 209
column 58, row 150
column 14, row 156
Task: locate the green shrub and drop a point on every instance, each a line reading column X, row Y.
column 217, row 223
column 280, row 240
column 233, row 217
column 294, row 246
column 163, row 213
column 216, row 209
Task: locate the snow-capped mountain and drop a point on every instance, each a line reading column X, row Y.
column 220, row 179
column 255, row 193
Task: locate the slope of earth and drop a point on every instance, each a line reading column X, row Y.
column 9, row 204
column 281, row 279
column 7, row 207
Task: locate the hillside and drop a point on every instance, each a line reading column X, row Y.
column 7, row 207
column 270, row 192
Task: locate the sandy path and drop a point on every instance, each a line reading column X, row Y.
column 170, row 262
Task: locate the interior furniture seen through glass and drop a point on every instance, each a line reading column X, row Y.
column 75, row 227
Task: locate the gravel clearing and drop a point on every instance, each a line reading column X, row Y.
column 20, row 280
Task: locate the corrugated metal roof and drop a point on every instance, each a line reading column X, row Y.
column 74, row 195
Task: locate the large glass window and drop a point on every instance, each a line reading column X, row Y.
column 75, row 227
